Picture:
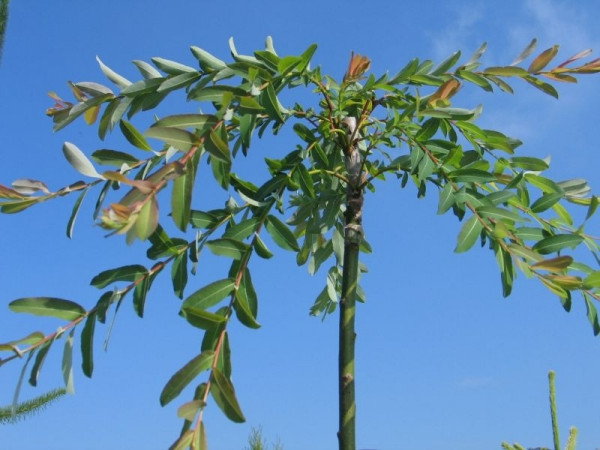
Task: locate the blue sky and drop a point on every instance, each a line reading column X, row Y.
column 443, row 361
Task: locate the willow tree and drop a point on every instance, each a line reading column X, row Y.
column 358, row 132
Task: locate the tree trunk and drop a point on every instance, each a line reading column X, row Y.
column 347, row 337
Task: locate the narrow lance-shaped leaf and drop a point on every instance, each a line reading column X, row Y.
column 123, row 273
column 185, row 376
column 180, row 139
column 113, row 76
column 592, row 314
column 179, row 274
column 67, row 363
column 228, row 247
column 132, row 135
column 48, row 306
column 210, row 295
column 556, row 243
column 281, row 234
column 87, row 345
column 468, row 235
column 559, row 263
column 525, row 53
column 181, row 197
column 217, row 147
column 79, row 161
column 74, row 212
column 30, row 339
column 39, row 362
column 224, row 394
column 543, row 59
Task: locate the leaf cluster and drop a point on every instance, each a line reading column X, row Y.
column 404, row 126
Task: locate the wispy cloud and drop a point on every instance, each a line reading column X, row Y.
column 460, row 32
column 555, row 22
column 475, row 382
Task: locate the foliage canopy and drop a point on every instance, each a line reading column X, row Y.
column 359, row 132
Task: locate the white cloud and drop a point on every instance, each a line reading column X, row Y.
column 569, row 24
column 459, row 34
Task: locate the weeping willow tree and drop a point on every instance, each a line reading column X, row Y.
column 356, row 133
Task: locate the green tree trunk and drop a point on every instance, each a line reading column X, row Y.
column 353, row 237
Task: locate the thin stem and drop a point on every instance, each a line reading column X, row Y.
column 553, row 414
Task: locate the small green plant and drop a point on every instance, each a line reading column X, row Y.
column 256, row 441
column 18, row 411
column 571, row 442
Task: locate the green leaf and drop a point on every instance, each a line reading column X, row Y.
column 39, row 362
column 208, row 62
column 48, row 306
column 545, row 202
column 133, row 136
column 248, row 105
column 30, row 339
column 281, row 234
column 246, row 303
column 592, row 314
column 147, row 220
column 228, row 247
column 87, row 345
column 209, row 295
column 180, row 139
column 146, row 69
column 545, row 184
column 112, row 75
column 500, row 197
column 592, row 280
column 114, row 158
column 203, row 319
column 67, row 363
column 528, row 163
column 142, row 87
column 79, row 161
column 123, row 273
column 506, row 270
column 261, row 249
column 542, row 86
column 471, row 176
column 181, row 196
column 242, row 230
column 306, row 181
column 224, row 394
column 475, row 79
column 556, row 243
column 543, row 59
column 525, row 53
column 185, row 376
column 500, row 214
column 268, row 100
column 171, row 67
column 179, row 275
column 468, row 235
column 214, row 94
column 217, row 147
column 73, row 217
column 559, row 263
column 186, row 121
column 202, row 219
column 507, row 71
column 140, row 292
column 17, row 206
column 446, row 64
column 178, row 81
